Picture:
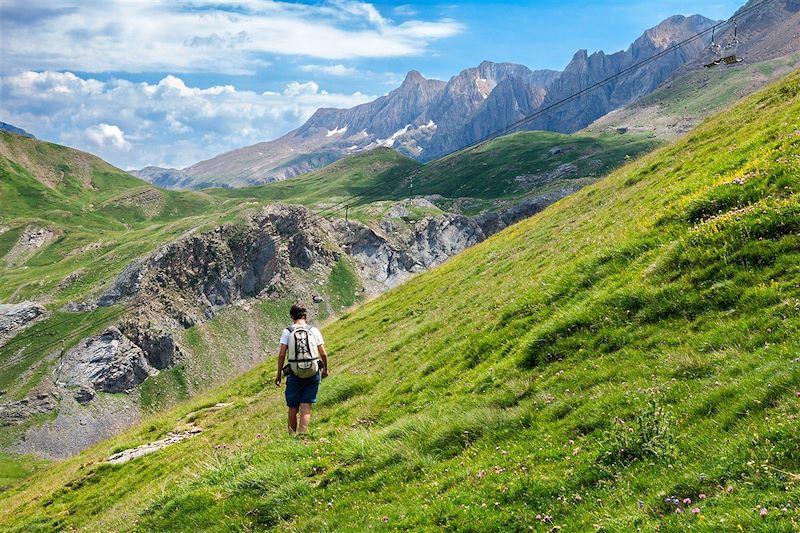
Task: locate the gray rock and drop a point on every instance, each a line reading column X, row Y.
column 43, row 401
column 16, row 317
column 109, row 362
column 84, row 395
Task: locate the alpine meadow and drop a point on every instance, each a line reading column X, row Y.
column 551, row 300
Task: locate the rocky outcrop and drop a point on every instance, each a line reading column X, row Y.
column 146, row 449
column 389, row 254
column 16, row 317
column 43, row 400
column 189, row 280
column 109, row 362
column 30, row 241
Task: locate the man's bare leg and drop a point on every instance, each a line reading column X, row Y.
column 305, row 417
column 293, row 420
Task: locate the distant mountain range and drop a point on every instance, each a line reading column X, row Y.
column 425, row 118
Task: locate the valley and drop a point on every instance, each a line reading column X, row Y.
column 587, row 323
column 698, row 237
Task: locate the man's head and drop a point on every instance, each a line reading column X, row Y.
column 297, row 312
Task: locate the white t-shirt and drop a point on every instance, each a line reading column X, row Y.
column 314, row 331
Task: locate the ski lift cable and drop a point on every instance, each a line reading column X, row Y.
column 542, row 111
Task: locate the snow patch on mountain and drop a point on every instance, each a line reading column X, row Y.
column 337, row 131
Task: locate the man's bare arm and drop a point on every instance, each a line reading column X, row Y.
column 281, row 358
column 324, row 356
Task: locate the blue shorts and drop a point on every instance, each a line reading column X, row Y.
column 301, row 390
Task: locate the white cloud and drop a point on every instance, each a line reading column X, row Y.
column 166, row 123
column 331, row 70
column 107, row 135
column 204, row 36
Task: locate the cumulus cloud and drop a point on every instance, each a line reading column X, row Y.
column 102, row 135
column 202, row 36
column 167, row 123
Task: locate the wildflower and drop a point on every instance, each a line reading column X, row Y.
column 702, row 478
column 701, row 496
column 678, row 510
column 385, row 518
column 687, row 501
column 763, row 512
column 696, row 510
column 729, row 489
column 641, row 504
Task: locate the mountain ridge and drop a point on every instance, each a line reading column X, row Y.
column 428, row 118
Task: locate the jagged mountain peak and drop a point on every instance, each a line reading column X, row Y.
column 413, row 78
column 672, row 30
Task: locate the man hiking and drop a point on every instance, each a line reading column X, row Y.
column 307, row 365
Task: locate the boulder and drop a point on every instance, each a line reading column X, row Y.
column 15, row 317
column 42, row 401
column 109, row 362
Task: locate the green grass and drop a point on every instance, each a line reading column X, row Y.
column 487, row 175
column 14, row 468
column 344, row 285
column 709, row 91
column 637, row 341
column 164, row 389
column 490, row 171
column 376, row 175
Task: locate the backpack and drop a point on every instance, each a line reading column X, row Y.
column 303, row 356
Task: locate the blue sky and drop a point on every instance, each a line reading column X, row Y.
column 170, row 83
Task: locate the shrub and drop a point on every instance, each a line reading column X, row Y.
column 649, row 436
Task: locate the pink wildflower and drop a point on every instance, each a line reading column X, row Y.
column 678, row 510
column 763, row 512
column 696, row 510
column 701, row 496
column 687, row 501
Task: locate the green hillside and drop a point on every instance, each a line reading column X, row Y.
column 497, row 174
column 378, row 174
column 680, row 104
column 525, row 164
column 630, row 347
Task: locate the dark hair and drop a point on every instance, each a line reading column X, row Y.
column 297, row 312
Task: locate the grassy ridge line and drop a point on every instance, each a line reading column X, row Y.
column 511, row 387
column 488, row 174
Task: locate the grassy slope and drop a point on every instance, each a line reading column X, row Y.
column 486, row 174
column 380, row 173
column 636, row 341
column 686, row 101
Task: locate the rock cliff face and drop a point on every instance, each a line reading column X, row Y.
column 282, row 252
column 110, row 362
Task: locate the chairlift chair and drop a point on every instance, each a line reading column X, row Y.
column 729, row 56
